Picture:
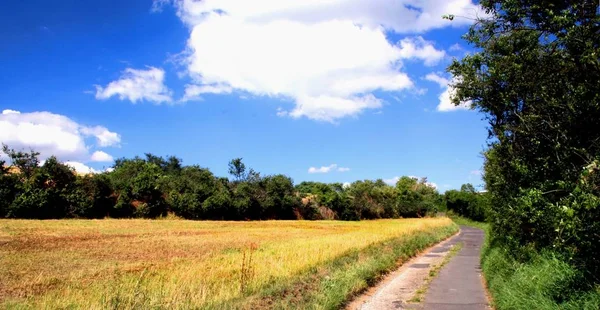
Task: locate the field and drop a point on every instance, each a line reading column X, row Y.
column 126, row 264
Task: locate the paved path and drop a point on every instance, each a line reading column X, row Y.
column 459, row 284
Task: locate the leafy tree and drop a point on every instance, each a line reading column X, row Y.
column 10, row 186
column 136, row 184
column 26, row 163
column 46, row 193
column 93, row 197
column 237, row 169
column 535, row 77
column 280, row 200
column 468, row 188
column 188, row 191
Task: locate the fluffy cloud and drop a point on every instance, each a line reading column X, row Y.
column 446, row 104
column 418, row 48
column 327, row 169
column 101, row 156
column 53, row 134
column 440, row 80
column 326, row 56
column 80, row 167
column 137, row 85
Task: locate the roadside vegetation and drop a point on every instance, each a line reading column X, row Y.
column 534, row 76
column 176, row 264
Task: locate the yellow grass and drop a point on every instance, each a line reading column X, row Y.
column 93, row 264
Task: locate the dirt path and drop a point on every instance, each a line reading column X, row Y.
column 458, row 285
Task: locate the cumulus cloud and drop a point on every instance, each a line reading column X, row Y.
column 436, row 78
column 80, row 167
column 53, row 134
column 445, row 98
column 101, row 156
column 137, row 85
column 327, row 57
column 327, row 169
column 418, row 48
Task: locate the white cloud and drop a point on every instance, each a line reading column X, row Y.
column 52, row 134
column 137, row 85
column 418, row 48
column 327, row 169
column 103, row 135
column 326, row 56
column 445, row 101
column 475, row 172
column 401, row 16
column 392, row 181
column 456, row 47
column 446, row 104
column 101, row 156
column 8, row 111
column 193, row 92
column 440, row 80
column 80, row 167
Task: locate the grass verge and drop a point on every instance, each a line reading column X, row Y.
column 544, row 281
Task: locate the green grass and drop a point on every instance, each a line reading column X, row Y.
column 542, row 282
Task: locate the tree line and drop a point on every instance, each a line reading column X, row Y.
column 154, row 186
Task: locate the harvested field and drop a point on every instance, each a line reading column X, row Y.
column 128, row 264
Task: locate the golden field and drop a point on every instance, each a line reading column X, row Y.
column 128, row 264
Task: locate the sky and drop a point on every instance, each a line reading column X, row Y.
column 319, row 90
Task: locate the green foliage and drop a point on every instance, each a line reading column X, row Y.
column 136, row 184
column 468, row 203
column 535, row 78
column 93, row 196
column 543, row 281
column 237, row 169
column 153, row 186
column 43, row 192
column 416, row 198
column 374, row 199
column 188, row 190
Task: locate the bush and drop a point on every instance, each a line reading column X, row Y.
column 468, row 203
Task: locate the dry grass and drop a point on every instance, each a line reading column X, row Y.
column 172, row 263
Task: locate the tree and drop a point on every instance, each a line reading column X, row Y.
column 237, row 169
column 468, row 188
column 26, row 163
column 535, row 77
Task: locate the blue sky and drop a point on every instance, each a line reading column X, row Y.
column 287, row 85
